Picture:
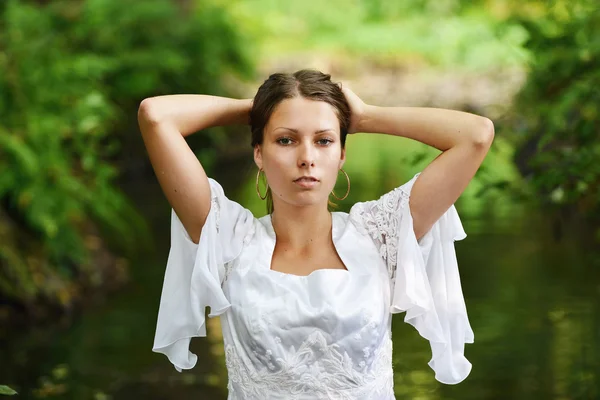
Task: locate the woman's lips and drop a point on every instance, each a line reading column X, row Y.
column 306, row 182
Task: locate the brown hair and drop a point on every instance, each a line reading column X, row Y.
column 308, row 83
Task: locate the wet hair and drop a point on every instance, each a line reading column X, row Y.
column 308, row 83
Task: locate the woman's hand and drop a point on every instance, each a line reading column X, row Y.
column 357, row 107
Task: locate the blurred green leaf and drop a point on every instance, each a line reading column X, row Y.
column 6, row 390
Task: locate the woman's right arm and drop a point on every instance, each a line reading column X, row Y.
column 164, row 122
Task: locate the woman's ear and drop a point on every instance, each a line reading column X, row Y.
column 342, row 158
column 258, row 156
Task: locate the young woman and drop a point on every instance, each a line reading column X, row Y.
column 306, row 294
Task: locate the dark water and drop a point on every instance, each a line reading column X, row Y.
column 533, row 303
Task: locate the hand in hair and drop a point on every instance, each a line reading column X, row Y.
column 357, row 107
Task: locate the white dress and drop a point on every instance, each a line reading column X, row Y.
column 326, row 335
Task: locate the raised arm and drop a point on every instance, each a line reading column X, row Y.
column 164, row 122
column 463, row 138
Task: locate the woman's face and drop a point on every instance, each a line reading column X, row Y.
column 302, row 138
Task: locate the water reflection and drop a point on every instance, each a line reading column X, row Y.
column 533, row 304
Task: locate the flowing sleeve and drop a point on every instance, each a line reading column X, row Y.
column 424, row 276
column 194, row 275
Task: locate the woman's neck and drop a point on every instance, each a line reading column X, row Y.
column 301, row 228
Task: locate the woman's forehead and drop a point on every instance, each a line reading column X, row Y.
column 304, row 115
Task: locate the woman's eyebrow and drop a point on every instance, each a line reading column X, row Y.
column 296, row 130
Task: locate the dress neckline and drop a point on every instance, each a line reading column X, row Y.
column 337, row 225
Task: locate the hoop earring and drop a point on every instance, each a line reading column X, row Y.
column 347, row 191
column 258, row 191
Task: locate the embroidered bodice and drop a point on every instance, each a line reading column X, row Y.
column 322, row 336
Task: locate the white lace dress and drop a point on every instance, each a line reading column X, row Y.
column 326, row 335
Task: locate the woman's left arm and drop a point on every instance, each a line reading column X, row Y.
column 463, row 138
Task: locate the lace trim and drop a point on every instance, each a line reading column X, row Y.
column 381, row 220
column 215, row 205
column 316, row 369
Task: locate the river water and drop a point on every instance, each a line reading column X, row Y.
column 533, row 303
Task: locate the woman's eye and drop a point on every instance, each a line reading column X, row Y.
column 287, row 141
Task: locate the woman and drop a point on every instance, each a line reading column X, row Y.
column 306, row 295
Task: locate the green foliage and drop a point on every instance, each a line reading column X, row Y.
column 556, row 122
column 72, row 74
column 446, row 33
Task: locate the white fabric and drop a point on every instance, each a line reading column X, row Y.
column 424, row 277
column 326, row 335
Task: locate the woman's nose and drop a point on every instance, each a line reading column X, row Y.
column 306, row 156
column 305, row 163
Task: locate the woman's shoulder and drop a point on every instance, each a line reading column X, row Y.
column 347, row 223
column 261, row 229
column 264, row 224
